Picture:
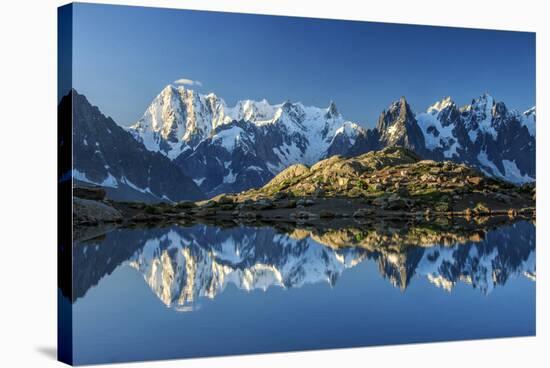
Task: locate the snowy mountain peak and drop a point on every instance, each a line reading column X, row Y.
column 480, row 117
column 294, row 110
column 249, row 110
column 483, row 103
column 176, row 119
column 350, row 130
column 179, row 118
column 441, row 105
column 486, row 96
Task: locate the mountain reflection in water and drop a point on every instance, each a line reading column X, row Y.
column 184, row 264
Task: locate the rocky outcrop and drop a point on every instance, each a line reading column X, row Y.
column 87, row 212
column 291, row 172
column 396, row 180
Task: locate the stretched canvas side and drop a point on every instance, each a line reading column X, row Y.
column 64, row 186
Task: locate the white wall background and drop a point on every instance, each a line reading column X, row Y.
column 28, row 180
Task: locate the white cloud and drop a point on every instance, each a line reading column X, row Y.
column 188, row 82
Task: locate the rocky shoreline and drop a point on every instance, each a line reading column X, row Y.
column 393, row 230
column 91, row 212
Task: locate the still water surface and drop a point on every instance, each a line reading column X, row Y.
column 177, row 292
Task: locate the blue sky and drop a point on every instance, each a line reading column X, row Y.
column 124, row 56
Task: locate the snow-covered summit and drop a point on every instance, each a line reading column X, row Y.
column 480, row 113
column 441, row 105
column 179, row 118
column 255, row 111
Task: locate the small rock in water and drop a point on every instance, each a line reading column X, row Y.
column 379, row 202
column 305, row 202
column 364, row 212
column 205, row 212
column 327, row 214
column 303, row 215
column 248, row 215
column 263, row 204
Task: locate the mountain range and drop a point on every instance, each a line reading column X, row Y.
column 231, row 149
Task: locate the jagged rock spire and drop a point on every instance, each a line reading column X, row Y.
column 332, row 111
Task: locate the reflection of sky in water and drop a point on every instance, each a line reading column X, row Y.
column 255, row 290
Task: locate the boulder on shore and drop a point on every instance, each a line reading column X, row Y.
column 87, row 211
